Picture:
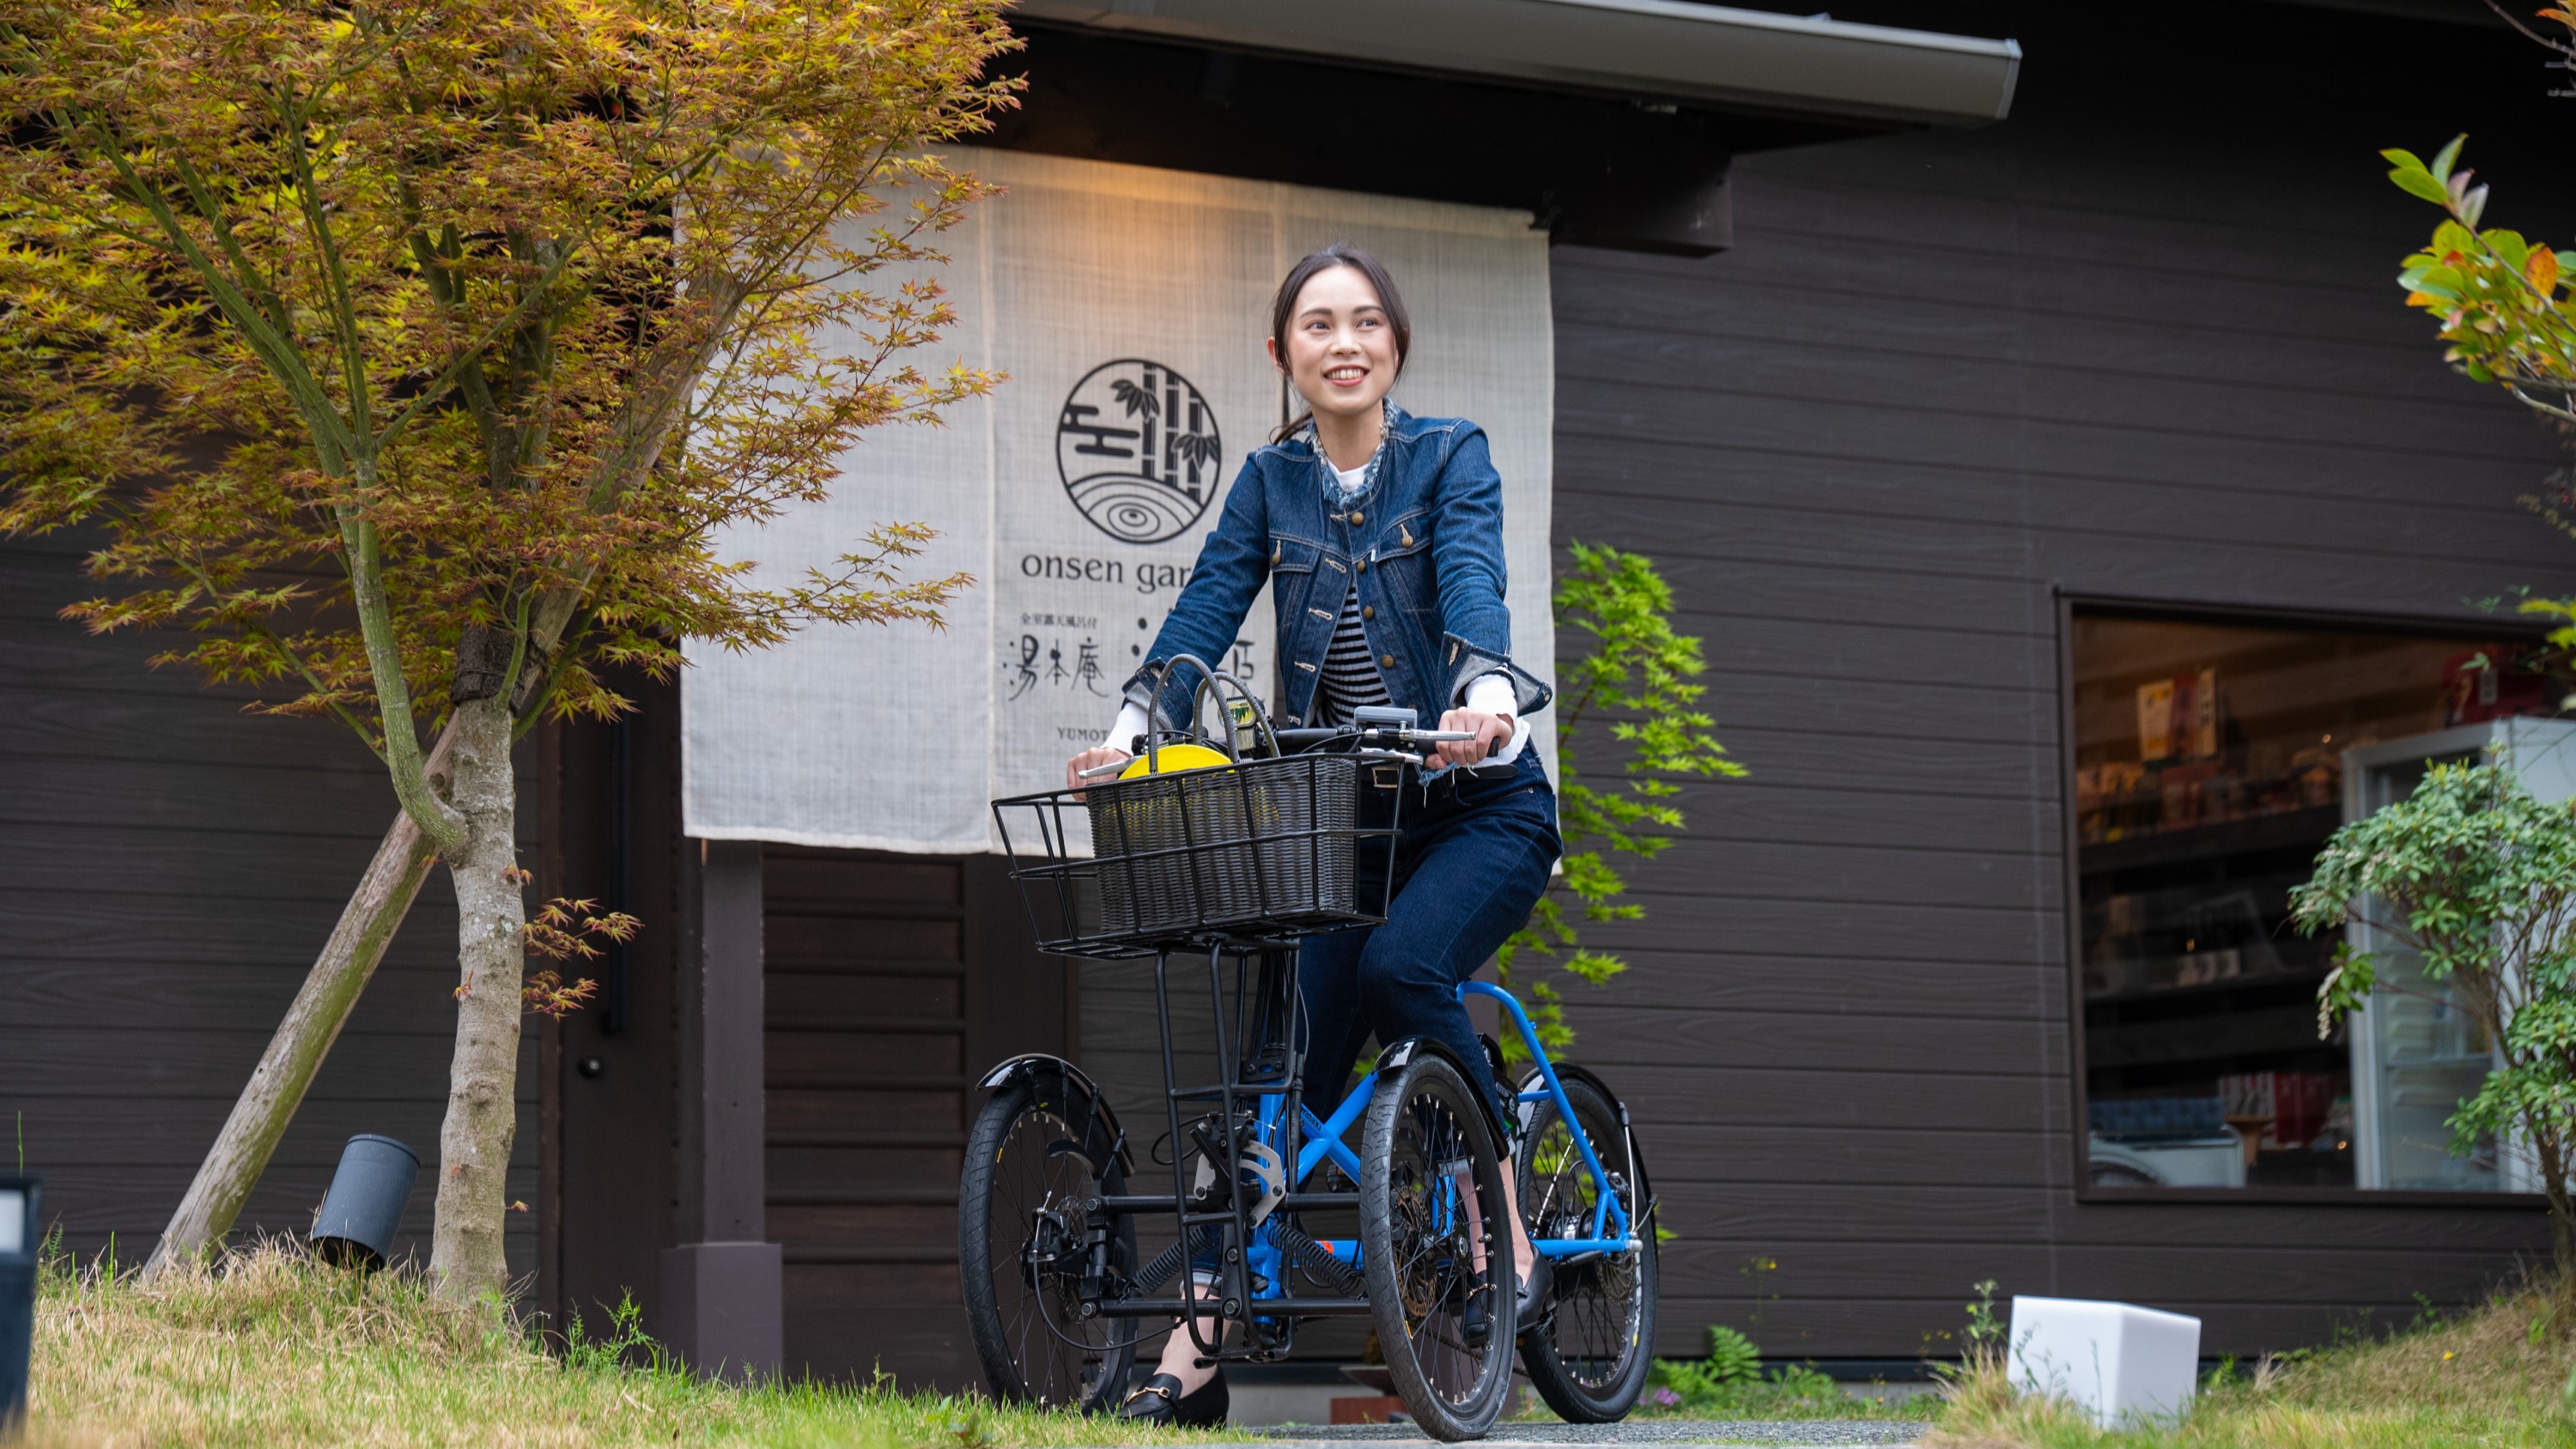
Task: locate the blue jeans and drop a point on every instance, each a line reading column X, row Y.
column 1471, row 861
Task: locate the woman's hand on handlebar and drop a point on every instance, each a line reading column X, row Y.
column 1091, row 759
column 1492, row 732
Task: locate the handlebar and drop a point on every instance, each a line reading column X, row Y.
column 1376, row 741
column 1293, row 741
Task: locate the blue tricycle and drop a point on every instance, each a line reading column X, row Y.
column 1224, row 846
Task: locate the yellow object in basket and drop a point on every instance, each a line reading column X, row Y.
column 1171, row 759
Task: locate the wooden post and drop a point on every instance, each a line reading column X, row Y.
column 721, row 1287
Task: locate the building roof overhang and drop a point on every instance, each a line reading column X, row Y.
column 1656, row 50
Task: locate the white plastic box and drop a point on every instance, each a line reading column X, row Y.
column 2117, row 1361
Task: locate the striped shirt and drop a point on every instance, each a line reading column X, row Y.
column 1350, row 677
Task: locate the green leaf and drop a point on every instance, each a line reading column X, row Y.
column 1637, row 675
column 2403, row 159
column 2420, row 183
column 2442, row 161
column 2414, row 282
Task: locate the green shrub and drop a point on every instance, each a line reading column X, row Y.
column 1732, row 1384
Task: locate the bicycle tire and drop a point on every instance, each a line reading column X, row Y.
column 1420, row 1246
column 1589, row 1357
column 1022, row 1318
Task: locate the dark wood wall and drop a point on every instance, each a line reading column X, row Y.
column 889, row 984
column 2141, row 341
column 892, row 984
column 168, row 867
column 865, row 974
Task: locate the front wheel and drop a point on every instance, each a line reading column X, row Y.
column 1436, row 1248
column 1589, row 1358
column 1033, row 1163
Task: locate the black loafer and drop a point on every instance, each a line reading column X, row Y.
column 1538, row 1292
column 1475, row 1323
column 1159, row 1400
column 1476, row 1319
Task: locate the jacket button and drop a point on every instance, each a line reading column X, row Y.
column 1386, row 661
column 1363, row 565
column 1358, row 517
column 1368, row 611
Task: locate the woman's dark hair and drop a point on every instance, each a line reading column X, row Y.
column 1283, row 306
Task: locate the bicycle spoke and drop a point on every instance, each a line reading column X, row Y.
column 1593, row 1336
column 1033, row 1232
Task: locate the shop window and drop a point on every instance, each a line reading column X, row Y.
column 2211, row 763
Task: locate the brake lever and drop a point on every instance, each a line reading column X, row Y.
column 1373, row 753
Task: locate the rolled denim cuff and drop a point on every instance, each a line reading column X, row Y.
column 1139, row 691
column 1172, row 706
column 1468, row 663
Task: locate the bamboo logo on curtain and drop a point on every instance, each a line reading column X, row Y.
column 1138, row 450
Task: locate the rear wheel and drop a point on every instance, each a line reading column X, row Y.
column 1590, row 1356
column 1032, row 1164
column 1436, row 1248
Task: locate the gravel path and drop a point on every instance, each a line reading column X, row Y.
column 1778, row 1433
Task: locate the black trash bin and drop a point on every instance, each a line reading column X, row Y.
column 21, row 1202
column 357, row 1223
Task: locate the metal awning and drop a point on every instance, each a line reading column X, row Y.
column 1664, row 50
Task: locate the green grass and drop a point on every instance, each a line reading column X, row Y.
column 271, row 1349
column 1731, row 1383
column 2494, row 1378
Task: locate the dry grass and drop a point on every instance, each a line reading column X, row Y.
column 2492, row 1378
column 271, row 1349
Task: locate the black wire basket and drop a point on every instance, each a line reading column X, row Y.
column 1263, row 846
column 1266, row 848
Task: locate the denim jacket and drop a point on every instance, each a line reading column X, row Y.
column 1425, row 547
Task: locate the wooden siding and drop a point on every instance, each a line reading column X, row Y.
column 891, row 983
column 865, row 983
column 2106, row 348
column 1939, row 380
column 168, row 867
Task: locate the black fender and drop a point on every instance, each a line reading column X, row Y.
column 1531, row 1081
column 1506, row 1134
column 1056, row 1080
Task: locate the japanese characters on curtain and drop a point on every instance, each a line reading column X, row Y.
column 1128, row 306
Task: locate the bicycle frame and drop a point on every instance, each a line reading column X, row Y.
column 1253, row 1287
column 1611, row 1231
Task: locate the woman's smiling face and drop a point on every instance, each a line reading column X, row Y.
column 1341, row 347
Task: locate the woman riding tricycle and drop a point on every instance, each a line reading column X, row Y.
column 1356, row 869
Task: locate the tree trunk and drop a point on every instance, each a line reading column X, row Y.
column 295, row 1053
column 384, row 896
column 2562, row 1212
column 491, row 955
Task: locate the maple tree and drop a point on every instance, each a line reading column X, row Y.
column 411, row 357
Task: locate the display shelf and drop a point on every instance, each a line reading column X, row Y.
column 2225, row 837
column 2259, row 1034
column 2224, row 987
